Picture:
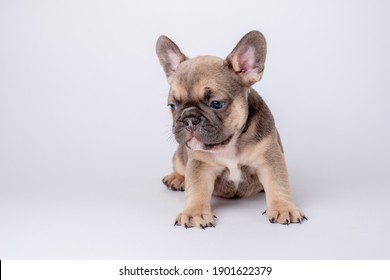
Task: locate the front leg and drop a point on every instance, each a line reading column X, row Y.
column 274, row 178
column 200, row 179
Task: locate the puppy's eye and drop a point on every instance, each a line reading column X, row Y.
column 173, row 107
column 215, row 104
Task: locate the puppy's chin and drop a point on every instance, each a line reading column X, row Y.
column 195, row 145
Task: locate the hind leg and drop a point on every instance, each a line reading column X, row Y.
column 174, row 181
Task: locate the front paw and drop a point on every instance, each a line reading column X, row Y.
column 196, row 218
column 284, row 213
column 174, row 181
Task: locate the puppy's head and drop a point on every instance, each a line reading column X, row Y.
column 208, row 95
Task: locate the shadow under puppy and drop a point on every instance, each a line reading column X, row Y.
column 228, row 143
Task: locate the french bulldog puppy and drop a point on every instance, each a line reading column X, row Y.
column 228, row 142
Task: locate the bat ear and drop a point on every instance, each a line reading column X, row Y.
column 248, row 57
column 169, row 55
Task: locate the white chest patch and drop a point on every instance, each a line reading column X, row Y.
column 228, row 159
column 234, row 172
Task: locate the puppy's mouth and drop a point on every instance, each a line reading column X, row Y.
column 195, row 144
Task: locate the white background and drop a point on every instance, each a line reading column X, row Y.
column 85, row 132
